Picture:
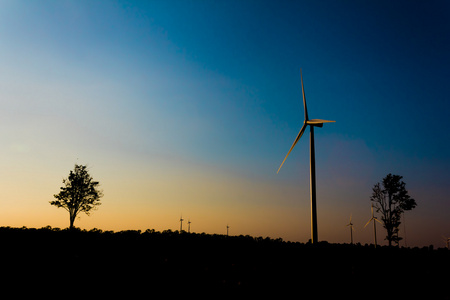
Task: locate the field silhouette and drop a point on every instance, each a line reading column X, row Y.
column 97, row 263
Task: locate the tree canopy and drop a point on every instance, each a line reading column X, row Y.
column 391, row 200
column 80, row 193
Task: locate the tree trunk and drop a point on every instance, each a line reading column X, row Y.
column 390, row 231
column 72, row 220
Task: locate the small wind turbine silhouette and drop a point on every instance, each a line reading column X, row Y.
column 312, row 162
column 350, row 224
column 227, row 229
column 446, row 239
column 373, row 218
column 189, row 226
column 181, row 223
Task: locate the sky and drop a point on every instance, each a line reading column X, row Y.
column 189, row 107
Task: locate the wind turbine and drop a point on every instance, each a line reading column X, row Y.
column 181, row 223
column 227, row 229
column 373, row 218
column 312, row 163
column 446, row 239
column 189, row 226
column 350, row 224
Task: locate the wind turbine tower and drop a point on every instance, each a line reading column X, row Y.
column 312, row 161
column 350, row 224
column 189, row 226
column 373, row 218
column 227, row 229
column 181, row 223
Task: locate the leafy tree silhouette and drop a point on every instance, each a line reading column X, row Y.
column 391, row 199
column 80, row 193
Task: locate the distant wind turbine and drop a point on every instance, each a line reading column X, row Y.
column 446, row 239
column 189, row 226
column 181, row 223
column 373, row 218
column 227, row 229
column 312, row 163
column 350, row 224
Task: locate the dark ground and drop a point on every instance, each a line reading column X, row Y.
column 134, row 264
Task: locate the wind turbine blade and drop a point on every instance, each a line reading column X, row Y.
column 304, row 98
column 318, row 121
column 368, row 222
column 293, row 145
column 378, row 221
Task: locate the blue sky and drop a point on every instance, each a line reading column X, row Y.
column 190, row 106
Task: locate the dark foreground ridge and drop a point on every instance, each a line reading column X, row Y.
column 96, row 263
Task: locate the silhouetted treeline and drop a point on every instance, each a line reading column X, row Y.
column 170, row 263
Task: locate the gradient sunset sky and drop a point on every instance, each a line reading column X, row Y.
column 189, row 107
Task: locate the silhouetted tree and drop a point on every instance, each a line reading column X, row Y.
column 80, row 193
column 391, row 200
